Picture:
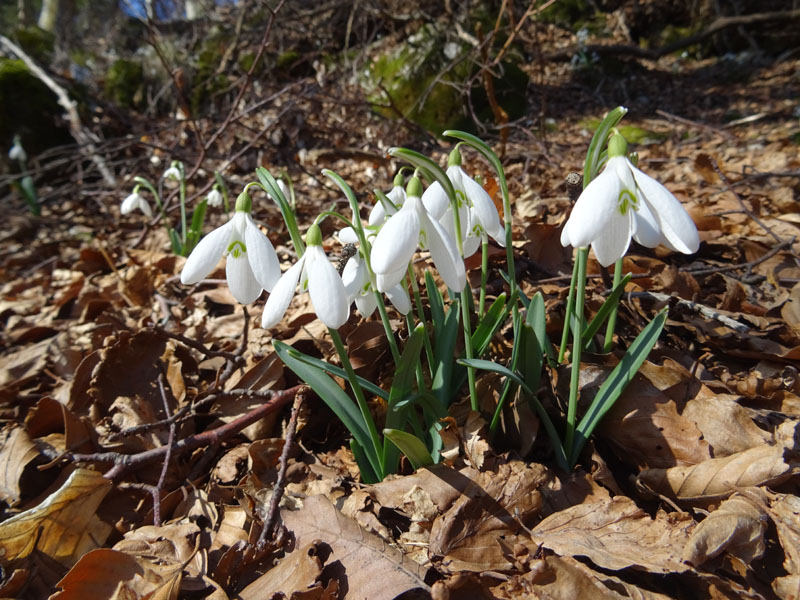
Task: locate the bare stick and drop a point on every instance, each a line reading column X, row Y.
column 84, row 137
column 167, row 458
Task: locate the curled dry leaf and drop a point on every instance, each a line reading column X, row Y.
column 64, row 526
column 736, row 527
column 617, row 535
column 105, row 573
column 372, row 569
column 726, row 425
column 493, row 506
column 298, row 572
column 16, row 452
column 719, row 477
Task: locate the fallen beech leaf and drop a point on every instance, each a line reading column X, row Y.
column 105, row 573
column 64, row 526
column 787, row 588
column 298, row 571
column 736, row 527
column 617, row 535
column 16, row 452
column 372, row 568
column 493, row 507
column 558, row 578
column 718, row 478
column 785, row 512
column 726, row 425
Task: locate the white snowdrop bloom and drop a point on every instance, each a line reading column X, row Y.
column 359, row 289
column 252, row 264
column 318, row 276
column 17, row 152
column 400, row 236
column 622, row 202
column 214, row 198
column 397, row 195
column 135, row 201
column 476, row 210
column 172, row 173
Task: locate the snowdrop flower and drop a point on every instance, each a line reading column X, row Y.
column 17, row 152
column 214, row 197
column 397, row 195
column 135, row 201
column 172, row 173
column 317, row 275
column 355, row 277
column 476, row 210
column 399, row 237
column 252, row 264
column 622, row 202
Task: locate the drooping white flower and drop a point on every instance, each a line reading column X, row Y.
column 622, row 202
column 135, row 201
column 397, row 196
column 317, row 275
column 400, row 236
column 172, row 173
column 359, row 289
column 17, row 152
column 252, row 264
column 477, row 213
column 214, row 198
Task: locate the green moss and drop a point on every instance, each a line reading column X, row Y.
column 37, row 43
column 206, row 80
column 29, row 108
column 631, row 133
column 125, row 83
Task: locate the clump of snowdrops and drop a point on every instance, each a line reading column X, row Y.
column 448, row 214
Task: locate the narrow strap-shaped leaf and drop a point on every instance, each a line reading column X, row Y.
column 617, row 381
column 444, row 373
column 410, row 445
column 368, row 475
column 271, row 186
column 339, row 372
column 605, row 310
column 598, row 143
column 336, row 399
column 436, row 303
column 175, row 240
column 491, row 321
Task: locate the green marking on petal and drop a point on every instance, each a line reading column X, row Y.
column 626, row 200
column 236, row 249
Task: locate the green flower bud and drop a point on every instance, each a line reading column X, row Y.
column 617, row 146
column 454, row 160
column 314, row 236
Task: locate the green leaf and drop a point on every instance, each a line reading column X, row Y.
column 597, row 145
column 488, row 365
column 196, row 227
column 28, row 190
column 437, row 303
column 492, row 320
column 175, row 240
column 336, row 399
column 605, row 310
column 444, row 356
column 410, row 445
column 270, row 185
column 616, row 383
column 368, row 475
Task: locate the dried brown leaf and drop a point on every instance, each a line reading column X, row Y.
column 617, row 535
column 64, row 526
column 736, row 527
column 298, row 571
column 492, row 507
column 718, row 478
column 726, row 425
column 372, row 568
column 16, row 452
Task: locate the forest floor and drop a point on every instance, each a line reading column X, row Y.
column 119, row 385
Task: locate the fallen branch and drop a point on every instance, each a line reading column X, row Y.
column 86, row 139
column 655, row 53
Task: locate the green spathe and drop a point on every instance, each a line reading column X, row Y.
column 314, row 236
column 244, row 203
column 414, row 187
column 617, row 146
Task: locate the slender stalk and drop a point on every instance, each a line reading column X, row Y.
column 421, row 316
column 570, row 307
column 473, row 394
column 577, row 345
column 420, row 376
column 612, row 318
column 360, row 399
column 183, row 209
column 387, row 327
column 484, row 275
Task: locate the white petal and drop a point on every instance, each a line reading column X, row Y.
column 398, row 196
column 397, row 241
column 595, row 206
column 366, row 304
column 263, row 260
column 243, row 284
column 206, row 254
column 129, row 204
column 144, row 206
column 471, row 244
column 281, row 295
column 347, row 236
column 386, row 281
column 326, row 289
column 676, row 224
column 484, row 209
column 648, row 231
column 612, row 243
column 354, row 276
column 435, row 200
column 398, row 296
column 445, row 256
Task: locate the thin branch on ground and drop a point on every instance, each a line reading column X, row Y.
column 167, row 458
column 703, row 310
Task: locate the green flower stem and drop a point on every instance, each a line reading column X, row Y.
column 612, row 318
column 359, row 394
column 570, row 307
column 577, row 345
column 387, row 327
column 270, row 185
column 420, row 376
column 473, row 394
column 184, row 228
column 421, row 317
column 484, row 275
